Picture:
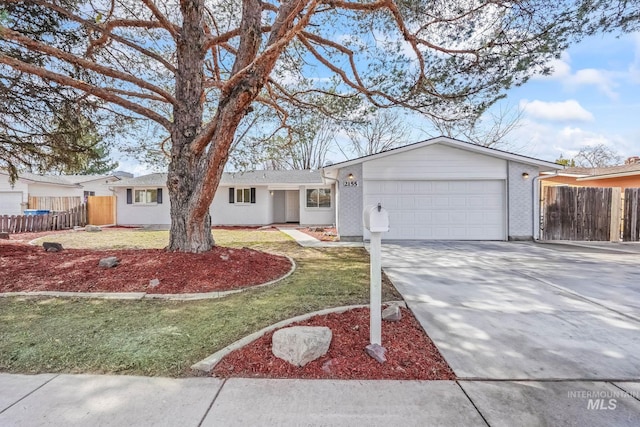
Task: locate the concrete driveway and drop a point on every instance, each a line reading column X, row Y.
column 523, row 311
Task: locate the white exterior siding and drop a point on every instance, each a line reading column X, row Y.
column 47, row 190
column 435, row 162
column 156, row 214
column 224, row 213
column 258, row 213
column 316, row 216
column 99, row 187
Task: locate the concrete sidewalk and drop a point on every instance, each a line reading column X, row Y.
column 94, row 400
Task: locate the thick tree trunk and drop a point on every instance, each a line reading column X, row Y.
column 198, row 155
column 190, row 227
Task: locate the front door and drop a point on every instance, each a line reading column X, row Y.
column 292, row 206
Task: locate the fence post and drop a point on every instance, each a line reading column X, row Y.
column 616, row 217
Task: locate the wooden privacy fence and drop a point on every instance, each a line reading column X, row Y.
column 590, row 214
column 578, row 213
column 34, row 223
column 631, row 215
column 62, row 204
column 101, row 210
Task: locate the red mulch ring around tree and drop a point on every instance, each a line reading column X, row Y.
column 30, row 268
column 410, row 353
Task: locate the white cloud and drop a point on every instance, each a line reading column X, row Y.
column 601, row 79
column 565, row 111
column 560, row 68
column 549, row 142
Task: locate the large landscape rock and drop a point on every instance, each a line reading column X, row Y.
column 392, row 313
column 109, row 262
column 300, row 345
column 52, row 246
column 4, row 236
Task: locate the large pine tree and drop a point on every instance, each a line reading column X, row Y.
column 196, row 68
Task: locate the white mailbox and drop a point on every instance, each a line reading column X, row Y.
column 376, row 219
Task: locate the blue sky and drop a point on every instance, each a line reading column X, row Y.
column 592, row 97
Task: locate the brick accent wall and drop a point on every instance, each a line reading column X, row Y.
column 350, row 207
column 520, row 200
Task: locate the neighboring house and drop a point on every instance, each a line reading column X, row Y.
column 248, row 198
column 622, row 176
column 14, row 198
column 441, row 189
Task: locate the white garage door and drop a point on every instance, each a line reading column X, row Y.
column 441, row 210
column 10, row 202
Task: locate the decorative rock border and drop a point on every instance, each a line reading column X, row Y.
column 207, row 364
column 144, row 295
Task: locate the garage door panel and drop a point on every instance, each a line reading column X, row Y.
column 458, row 187
column 408, row 187
column 424, row 218
column 493, row 202
column 423, row 202
column 459, row 218
column 441, row 187
column 407, row 202
column 424, row 187
column 10, row 202
column 459, row 202
column 441, row 210
column 440, row 203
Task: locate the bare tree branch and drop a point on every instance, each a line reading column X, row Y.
column 160, row 17
column 105, row 94
column 96, row 27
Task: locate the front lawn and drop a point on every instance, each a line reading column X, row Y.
column 164, row 338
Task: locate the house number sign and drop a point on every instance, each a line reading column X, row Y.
column 351, row 183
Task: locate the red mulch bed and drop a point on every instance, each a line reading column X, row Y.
column 30, row 268
column 410, row 353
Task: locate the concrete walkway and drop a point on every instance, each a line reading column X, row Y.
column 307, row 241
column 93, row 400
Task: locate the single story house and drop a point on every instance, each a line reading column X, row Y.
column 622, row 176
column 440, row 189
column 14, row 199
column 247, row 198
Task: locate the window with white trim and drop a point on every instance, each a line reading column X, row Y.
column 145, row 196
column 243, row 195
column 318, row 197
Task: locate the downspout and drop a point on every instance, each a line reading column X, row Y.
column 536, row 209
column 537, row 205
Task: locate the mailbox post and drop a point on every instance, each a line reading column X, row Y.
column 376, row 220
